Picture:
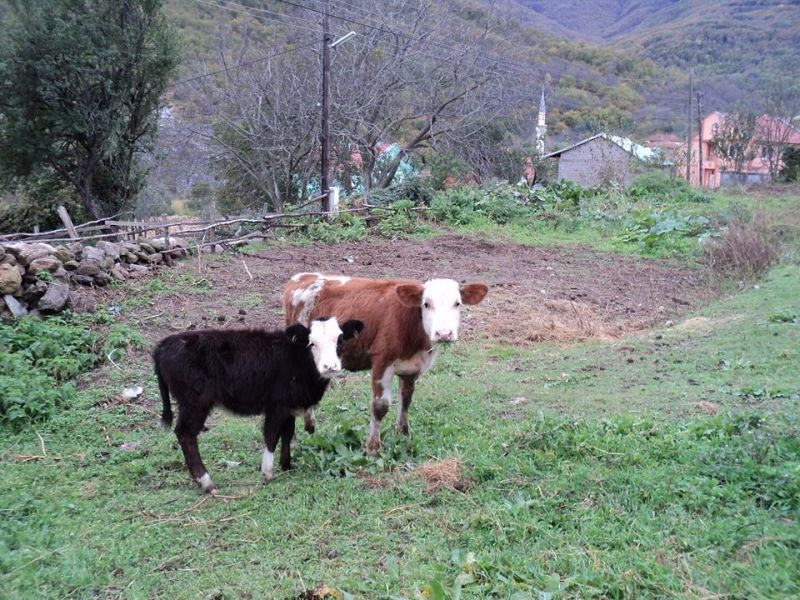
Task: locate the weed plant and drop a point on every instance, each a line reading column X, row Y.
column 40, row 357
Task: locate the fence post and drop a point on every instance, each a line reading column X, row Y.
column 73, row 233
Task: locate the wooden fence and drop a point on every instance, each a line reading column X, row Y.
column 203, row 233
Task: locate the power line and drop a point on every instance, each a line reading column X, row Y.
column 240, row 65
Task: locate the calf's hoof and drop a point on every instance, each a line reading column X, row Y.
column 373, row 447
column 309, row 427
column 402, row 429
column 208, row 486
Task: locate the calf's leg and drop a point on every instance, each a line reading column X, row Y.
column 287, row 433
column 379, row 406
column 309, row 420
column 191, row 418
column 273, row 427
column 406, row 392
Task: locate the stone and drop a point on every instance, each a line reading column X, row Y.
column 88, row 267
column 143, row 256
column 61, row 275
column 146, row 247
column 54, row 299
column 82, row 279
column 17, row 309
column 71, row 265
column 46, row 263
column 155, row 258
column 2, row 253
column 137, row 271
column 32, row 292
column 95, row 254
column 81, row 302
column 218, row 249
column 131, row 257
column 118, row 272
column 64, row 254
column 30, row 252
column 110, row 248
column 131, row 246
column 9, row 259
column 10, row 279
column 102, row 278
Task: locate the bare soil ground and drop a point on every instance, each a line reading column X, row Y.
column 536, row 294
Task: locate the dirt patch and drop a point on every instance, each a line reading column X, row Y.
column 536, row 294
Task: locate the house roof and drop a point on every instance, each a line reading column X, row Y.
column 641, row 152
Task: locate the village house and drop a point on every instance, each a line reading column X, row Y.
column 605, row 159
column 770, row 136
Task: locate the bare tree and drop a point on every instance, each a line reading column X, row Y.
column 264, row 135
column 733, row 141
column 774, row 129
column 411, row 78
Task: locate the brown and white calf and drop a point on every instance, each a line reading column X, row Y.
column 405, row 322
column 278, row 374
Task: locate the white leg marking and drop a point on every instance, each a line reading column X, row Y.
column 205, row 482
column 266, row 464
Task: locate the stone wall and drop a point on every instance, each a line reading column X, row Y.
column 41, row 278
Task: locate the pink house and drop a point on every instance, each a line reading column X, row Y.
column 770, row 133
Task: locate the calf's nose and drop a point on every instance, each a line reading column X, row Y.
column 444, row 335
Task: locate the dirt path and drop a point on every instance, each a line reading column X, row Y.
column 535, row 293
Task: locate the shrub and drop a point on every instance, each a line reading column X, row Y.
column 744, row 249
column 417, row 190
column 397, row 220
column 343, row 227
column 658, row 188
column 652, row 229
column 38, row 357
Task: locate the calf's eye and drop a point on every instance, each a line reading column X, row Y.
column 426, row 304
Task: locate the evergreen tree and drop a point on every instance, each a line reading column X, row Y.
column 80, row 87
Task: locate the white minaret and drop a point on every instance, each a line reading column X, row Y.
column 541, row 127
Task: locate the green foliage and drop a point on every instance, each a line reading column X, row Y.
column 652, row 229
column 658, row 188
column 397, row 220
column 468, row 205
column 39, row 357
column 791, row 164
column 416, row 190
column 81, row 84
column 342, row 228
column 36, row 200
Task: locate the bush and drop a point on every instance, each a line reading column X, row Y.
column 36, row 204
column 343, row 227
column 38, row 357
column 653, row 229
column 417, row 190
column 744, row 249
column 468, row 205
column 659, row 188
column 397, row 220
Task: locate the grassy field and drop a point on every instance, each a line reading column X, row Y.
column 663, row 464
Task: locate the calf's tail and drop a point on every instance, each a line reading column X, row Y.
column 166, row 407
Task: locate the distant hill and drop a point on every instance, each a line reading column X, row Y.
column 719, row 37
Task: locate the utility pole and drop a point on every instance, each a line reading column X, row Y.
column 325, row 134
column 700, row 139
column 689, row 135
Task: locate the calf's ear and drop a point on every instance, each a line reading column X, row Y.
column 298, row 334
column 410, row 294
column 352, row 328
column 472, row 293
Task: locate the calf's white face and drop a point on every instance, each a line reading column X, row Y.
column 323, row 341
column 441, row 301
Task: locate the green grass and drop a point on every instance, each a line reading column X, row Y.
column 590, row 470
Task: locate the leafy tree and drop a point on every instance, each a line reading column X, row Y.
column 733, row 141
column 80, row 83
column 791, row 164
